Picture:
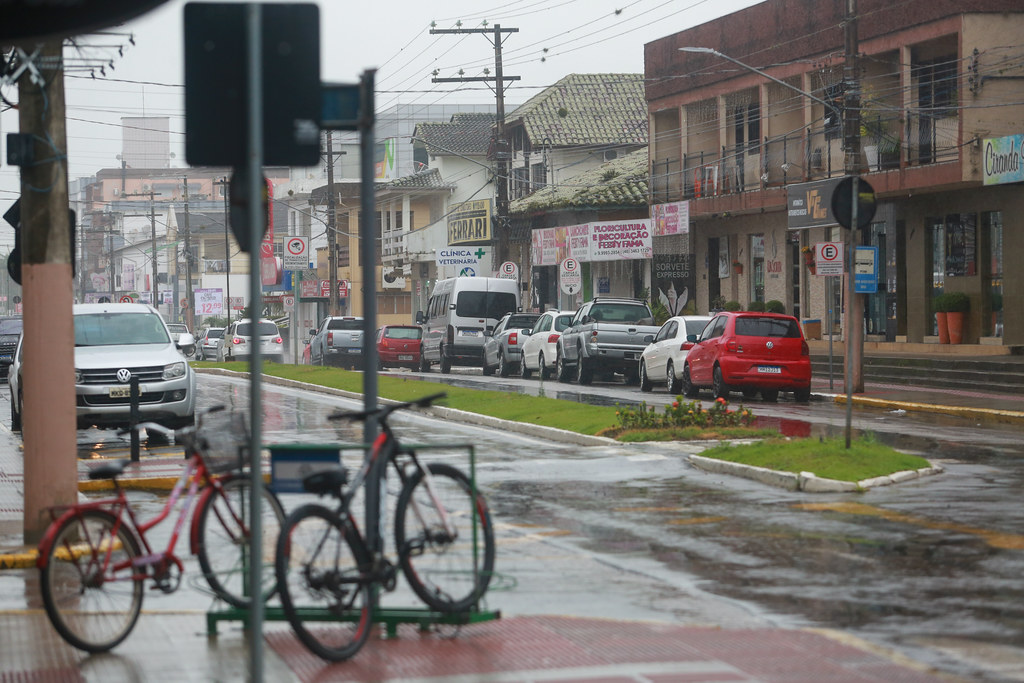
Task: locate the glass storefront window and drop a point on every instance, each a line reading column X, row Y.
column 992, row 222
column 757, row 267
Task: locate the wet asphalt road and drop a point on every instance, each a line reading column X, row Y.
column 933, row 568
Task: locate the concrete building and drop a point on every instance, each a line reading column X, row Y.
column 747, row 158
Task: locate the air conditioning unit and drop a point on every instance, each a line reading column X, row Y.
column 611, row 154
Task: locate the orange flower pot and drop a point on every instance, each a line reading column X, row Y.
column 942, row 322
column 956, row 321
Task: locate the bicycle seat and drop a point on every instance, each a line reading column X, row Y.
column 108, row 470
column 326, row 481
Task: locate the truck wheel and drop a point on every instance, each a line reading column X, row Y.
column 446, row 363
column 561, row 369
column 584, row 374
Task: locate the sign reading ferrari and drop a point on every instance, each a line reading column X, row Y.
column 470, row 223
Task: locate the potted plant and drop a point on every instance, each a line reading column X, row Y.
column 774, row 306
column 733, row 305
column 718, row 303
column 950, row 312
column 808, row 254
column 756, row 306
column 737, row 267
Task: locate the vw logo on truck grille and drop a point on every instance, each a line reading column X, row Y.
column 124, row 376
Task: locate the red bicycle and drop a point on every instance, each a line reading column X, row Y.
column 95, row 559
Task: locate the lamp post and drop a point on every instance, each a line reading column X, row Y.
column 851, row 138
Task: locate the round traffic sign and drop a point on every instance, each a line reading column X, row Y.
column 842, row 202
column 570, row 276
column 126, row 299
column 296, row 246
column 509, row 271
column 829, row 252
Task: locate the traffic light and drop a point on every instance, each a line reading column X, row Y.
column 13, row 216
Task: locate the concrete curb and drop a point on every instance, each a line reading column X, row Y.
column 550, row 433
column 806, row 481
column 990, row 414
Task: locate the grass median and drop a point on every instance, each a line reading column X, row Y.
column 826, row 458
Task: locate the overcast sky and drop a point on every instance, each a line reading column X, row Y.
column 555, row 38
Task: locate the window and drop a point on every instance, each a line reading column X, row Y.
column 485, row 304
column 520, row 182
column 748, row 326
column 961, row 244
column 539, row 173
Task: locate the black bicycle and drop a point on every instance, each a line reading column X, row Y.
column 327, row 573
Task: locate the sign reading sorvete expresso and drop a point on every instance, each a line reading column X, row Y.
column 470, row 223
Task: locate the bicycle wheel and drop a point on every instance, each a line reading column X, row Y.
column 448, row 573
column 224, row 540
column 91, row 592
column 321, row 589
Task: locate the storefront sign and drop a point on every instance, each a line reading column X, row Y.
column 670, row 219
column 810, row 204
column 470, row 223
column 615, row 240
column 209, row 301
column 1004, row 160
column 460, row 257
column 674, row 280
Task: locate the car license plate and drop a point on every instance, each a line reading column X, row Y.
column 468, row 333
column 352, row 350
column 401, row 357
column 769, row 369
column 5, row 358
column 119, row 392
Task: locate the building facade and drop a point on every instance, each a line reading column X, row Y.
column 751, row 159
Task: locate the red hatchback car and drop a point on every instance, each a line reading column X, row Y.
column 399, row 345
column 750, row 352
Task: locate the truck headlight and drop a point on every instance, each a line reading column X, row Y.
column 174, row 370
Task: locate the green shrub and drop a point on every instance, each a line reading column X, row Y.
column 733, row 306
column 683, row 414
column 775, row 306
column 757, row 306
column 951, row 302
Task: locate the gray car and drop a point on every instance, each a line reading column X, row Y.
column 241, row 337
column 503, row 345
column 117, row 342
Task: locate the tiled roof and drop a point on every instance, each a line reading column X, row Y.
column 468, row 134
column 587, row 109
column 621, row 183
column 429, row 179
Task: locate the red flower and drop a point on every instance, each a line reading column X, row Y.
column 675, row 404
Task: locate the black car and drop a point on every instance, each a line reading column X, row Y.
column 10, row 330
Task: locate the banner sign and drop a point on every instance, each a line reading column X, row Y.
column 1004, row 160
column 670, row 219
column 810, row 204
column 209, row 301
column 588, row 242
column 675, row 280
column 470, row 223
column 460, row 257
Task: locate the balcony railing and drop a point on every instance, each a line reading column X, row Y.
column 887, row 143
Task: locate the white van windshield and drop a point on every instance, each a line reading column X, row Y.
column 485, row 304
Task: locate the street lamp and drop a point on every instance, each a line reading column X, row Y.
column 852, row 144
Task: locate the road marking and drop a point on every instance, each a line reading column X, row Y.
column 996, row 539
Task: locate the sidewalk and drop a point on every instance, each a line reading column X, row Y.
column 512, row 649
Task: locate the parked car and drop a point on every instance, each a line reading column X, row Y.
column 663, row 360
column 10, row 333
column 337, row 341
column 116, row 342
column 502, row 345
column 749, row 352
column 14, row 382
column 540, row 348
column 207, row 341
column 399, row 345
column 305, row 353
column 239, row 338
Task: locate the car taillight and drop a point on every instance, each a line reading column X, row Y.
column 732, row 346
column 513, row 338
column 278, row 340
column 686, row 346
column 553, row 338
column 593, row 336
column 330, row 339
column 237, row 340
column 804, row 349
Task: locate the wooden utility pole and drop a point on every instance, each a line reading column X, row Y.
column 502, row 237
column 190, row 303
column 48, row 423
column 854, row 310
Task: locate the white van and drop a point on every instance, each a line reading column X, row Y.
column 460, row 311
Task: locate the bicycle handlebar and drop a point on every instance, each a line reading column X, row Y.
column 381, row 413
column 166, row 431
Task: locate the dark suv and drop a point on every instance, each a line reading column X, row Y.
column 10, row 330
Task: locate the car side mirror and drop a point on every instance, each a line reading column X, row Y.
column 586, row 320
column 420, row 318
column 526, row 332
column 186, row 339
column 648, row 338
column 312, row 333
column 692, row 338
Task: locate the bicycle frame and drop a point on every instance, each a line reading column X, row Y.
column 195, row 472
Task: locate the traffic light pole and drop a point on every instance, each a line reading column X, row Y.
column 48, row 422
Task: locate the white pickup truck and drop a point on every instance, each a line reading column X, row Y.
column 606, row 335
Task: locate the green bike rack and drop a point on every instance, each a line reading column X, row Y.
column 289, row 462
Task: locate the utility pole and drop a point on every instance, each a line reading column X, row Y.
column 854, row 318
column 189, row 301
column 225, row 184
column 48, row 426
column 332, row 233
column 152, row 229
column 502, row 237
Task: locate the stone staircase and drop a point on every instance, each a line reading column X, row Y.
column 994, row 374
